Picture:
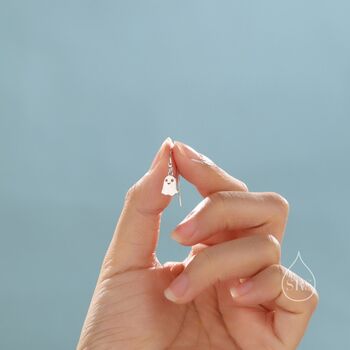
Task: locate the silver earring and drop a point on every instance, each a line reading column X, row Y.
column 170, row 185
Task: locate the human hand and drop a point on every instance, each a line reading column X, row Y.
column 235, row 236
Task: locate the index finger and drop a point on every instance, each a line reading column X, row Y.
column 206, row 176
column 135, row 238
column 203, row 173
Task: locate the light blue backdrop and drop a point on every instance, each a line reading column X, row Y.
column 89, row 90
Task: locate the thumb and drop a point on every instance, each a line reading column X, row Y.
column 136, row 234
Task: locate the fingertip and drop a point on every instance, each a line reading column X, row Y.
column 147, row 195
column 241, row 289
column 180, row 238
column 164, row 148
column 177, row 289
column 169, row 295
column 174, row 267
column 184, row 231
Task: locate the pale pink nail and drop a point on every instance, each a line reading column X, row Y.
column 241, row 289
column 177, row 288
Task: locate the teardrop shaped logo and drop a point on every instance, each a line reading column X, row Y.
column 294, row 287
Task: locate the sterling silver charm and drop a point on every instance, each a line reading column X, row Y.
column 170, row 185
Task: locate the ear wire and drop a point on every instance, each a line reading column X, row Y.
column 178, row 190
column 178, row 177
column 170, row 164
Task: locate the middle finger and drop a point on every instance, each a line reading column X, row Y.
column 230, row 214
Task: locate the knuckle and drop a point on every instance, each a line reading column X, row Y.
column 271, row 247
column 207, row 162
column 203, row 264
column 242, row 187
column 314, row 300
column 220, row 197
column 280, row 203
column 205, row 258
column 278, row 271
column 131, row 193
column 219, row 201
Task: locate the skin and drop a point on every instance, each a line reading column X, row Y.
column 227, row 294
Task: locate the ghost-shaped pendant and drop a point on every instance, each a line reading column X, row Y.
column 170, row 185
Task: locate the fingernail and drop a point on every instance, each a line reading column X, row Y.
column 184, row 230
column 241, row 289
column 187, row 227
column 160, row 152
column 177, row 288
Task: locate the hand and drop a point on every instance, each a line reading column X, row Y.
column 225, row 295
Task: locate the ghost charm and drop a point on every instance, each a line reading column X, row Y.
column 169, row 185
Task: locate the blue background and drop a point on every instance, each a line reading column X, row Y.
column 89, row 90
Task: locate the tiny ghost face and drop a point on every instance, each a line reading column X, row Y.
column 169, row 185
